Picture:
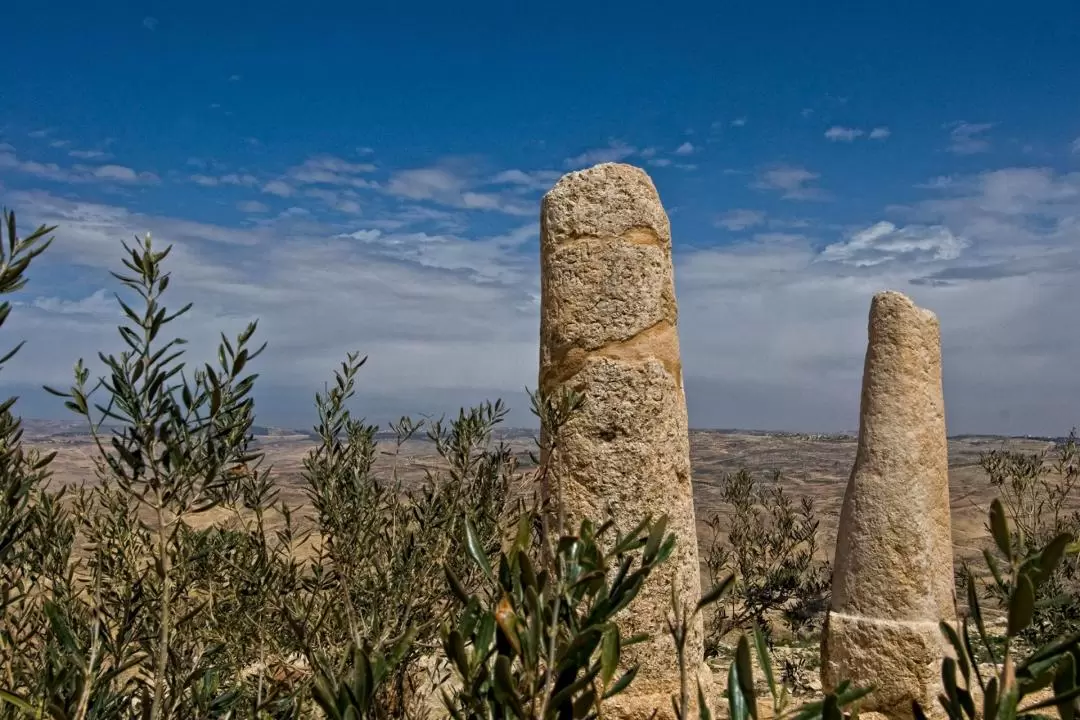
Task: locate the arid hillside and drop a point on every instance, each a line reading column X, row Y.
column 815, row 466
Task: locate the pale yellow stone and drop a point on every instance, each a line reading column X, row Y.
column 608, row 329
column 893, row 574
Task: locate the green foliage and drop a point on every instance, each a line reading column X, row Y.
column 381, row 565
column 770, row 545
column 1051, row 665
column 21, row 471
column 1038, row 497
column 543, row 641
column 172, row 586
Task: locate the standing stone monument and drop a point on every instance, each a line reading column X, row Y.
column 893, row 574
column 608, row 329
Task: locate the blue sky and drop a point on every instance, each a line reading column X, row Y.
column 369, row 178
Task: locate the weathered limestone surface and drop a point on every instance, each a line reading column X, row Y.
column 893, row 574
column 608, row 329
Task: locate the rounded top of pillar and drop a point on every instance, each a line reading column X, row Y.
column 606, row 200
column 897, row 304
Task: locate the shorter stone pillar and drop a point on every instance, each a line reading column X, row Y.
column 893, row 573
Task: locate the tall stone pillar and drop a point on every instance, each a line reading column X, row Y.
column 893, row 572
column 608, row 329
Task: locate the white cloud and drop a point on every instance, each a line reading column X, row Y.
column 884, row 242
column 451, row 317
column 738, row 122
column 234, row 78
column 686, row 148
column 239, row 179
column 792, row 181
column 279, row 188
column 364, row 235
column 968, row 138
column 340, row 200
column 842, row 134
column 1075, row 147
column 454, row 185
column 150, row 23
column 116, row 172
column 535, row 180
column 740, row 219
column 424, row 183
column 89, row 154
column 615, row 151
column 42, row 133
column 880, row 133
column 330, row 170
column 75, row 173
column 252, row 206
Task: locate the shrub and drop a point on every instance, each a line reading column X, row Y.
column 770, row 546
column 1038, row 492
column 1054, row 664
column 172, row 587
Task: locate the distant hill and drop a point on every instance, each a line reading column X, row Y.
column 41, row 429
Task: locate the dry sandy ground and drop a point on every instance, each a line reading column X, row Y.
column 817, row 467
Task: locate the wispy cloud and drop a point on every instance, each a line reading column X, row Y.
column 615, row 151
column 686, row 148
column 433, row 310
column 239, row 179
column 885, row 242
column 738, row 122
column 279, row 188
column 150, row 23
column 1075, row 146
column 968, row 138
column 740, row 219
column 455, row 185
column 792, row 181
column 842, row 134
column 252, row 206
column 839, row 133
column 76, row 173
column 89, row 154
column 345, row 201
column 534, row 180
column 996, row 255
column 331, row 170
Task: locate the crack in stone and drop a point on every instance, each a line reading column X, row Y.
column 656, row 342
column 914, row 624
column 637, row 235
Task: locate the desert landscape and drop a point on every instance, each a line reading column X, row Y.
column 815, row 466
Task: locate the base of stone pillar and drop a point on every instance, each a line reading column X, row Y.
column 901, row 659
